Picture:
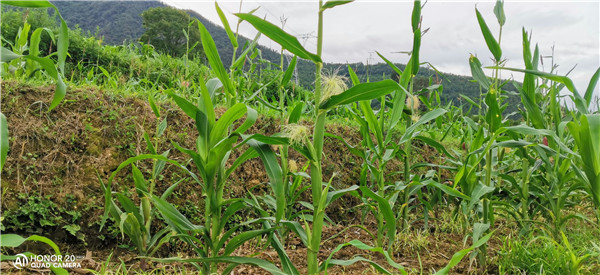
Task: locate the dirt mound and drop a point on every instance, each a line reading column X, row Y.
column 51, row 177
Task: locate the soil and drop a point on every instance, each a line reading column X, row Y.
column 62, row 155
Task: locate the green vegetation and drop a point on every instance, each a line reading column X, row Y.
column 206, row 156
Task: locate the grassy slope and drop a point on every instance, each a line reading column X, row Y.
column 62, row 153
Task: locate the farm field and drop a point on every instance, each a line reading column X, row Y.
column 194, row 150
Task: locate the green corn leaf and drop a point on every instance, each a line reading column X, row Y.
column 240, row 60
column 210, row 49
column 14, row 240
column 410, row 131
column 353, row 76
column 458, row 256
column 230, row 34
column 468, row 99
column 394, row 67
column 477, row 73
column 479, row 191
column 267, row 266
column 205, row 102
column 59, row 93
column 8, row 55
column 435, row 144
column 29, row 4
column 333, row 3
column 251, row 117
column 333, row 195
column 289, row 72
column 11, row 240
column 386, row 210
column 499, row 12
column 162, row 126
column 579, row 101
column 232, row 114
column 296, row 113
column 587, row 137
column 415, row 51
column 373, row 125
column 448, row 190
column 491, row 42
column 591, row 86
column 397, row 108
column 159, row 165
column 275, row 174
column 129, row 207
column 241, row 238
column 364, row 91
column 493, row 116
column 416, row 16
column 153, row 106
column 130, row 225
column 4, row 146
column 362, row 246
column 284, row 39
column 138, row 179
column 186, row 106
column 173, row 217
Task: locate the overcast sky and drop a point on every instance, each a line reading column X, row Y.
column 353, row 32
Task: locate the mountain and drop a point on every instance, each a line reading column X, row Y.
column 120, row 22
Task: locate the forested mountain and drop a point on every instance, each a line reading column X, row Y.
column 120, row 22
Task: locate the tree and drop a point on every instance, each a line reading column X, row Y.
column 164, row 29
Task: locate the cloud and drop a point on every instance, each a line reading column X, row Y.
column 354, row 31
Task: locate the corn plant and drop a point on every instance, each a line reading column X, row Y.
column 136, row 221
column 55, row 71
column 325, row 99
column 586, row 133
column 14, row 240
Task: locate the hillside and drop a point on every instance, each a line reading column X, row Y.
column 119, row 22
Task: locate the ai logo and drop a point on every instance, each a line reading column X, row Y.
column 21, row 261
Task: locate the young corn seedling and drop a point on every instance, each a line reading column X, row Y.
column 54, row 70
column 217, row 139
column 136, row 221
column 14, row 240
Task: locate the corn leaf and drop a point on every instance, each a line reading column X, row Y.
column 241, row 238
column 226, row 26
column 386, row 210
column 363, row 91
column 284, row 39
column 173, row 217
column 491, row 42
column 477, row 73
column 591, row 86
column 289, row 72
column 416, row 15
column 267, row 266
column 296, row 113
column 458, row 256
column 334, row 3
column 410, row 131
column 360, row 245
column 275, row 174
column 394, row 67
column 210, row 49
column 499, row 12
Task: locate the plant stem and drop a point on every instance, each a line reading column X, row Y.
column 315, row 166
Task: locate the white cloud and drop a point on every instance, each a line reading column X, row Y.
column 354, row 31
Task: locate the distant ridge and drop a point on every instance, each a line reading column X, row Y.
column 120, row 22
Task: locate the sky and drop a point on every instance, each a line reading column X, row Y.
column 569, row 30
